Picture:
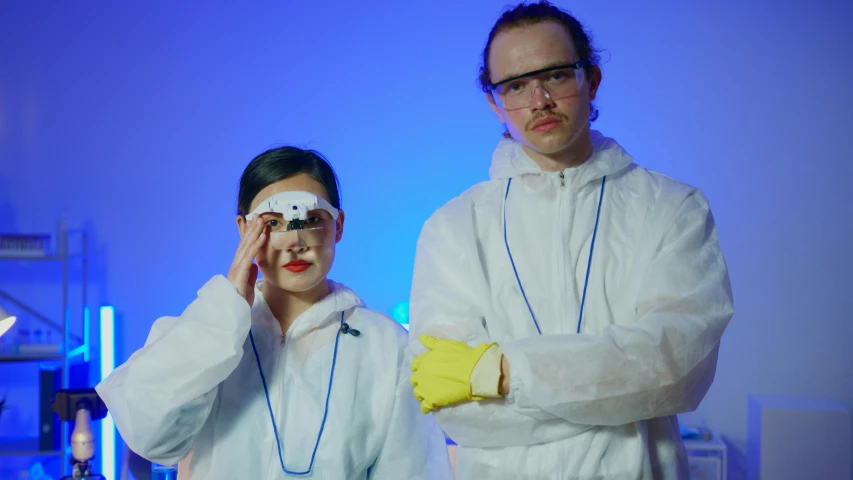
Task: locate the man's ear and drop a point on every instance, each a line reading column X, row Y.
column 594, row 82
column 495, row 107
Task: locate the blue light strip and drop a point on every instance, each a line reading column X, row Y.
column 108, row 435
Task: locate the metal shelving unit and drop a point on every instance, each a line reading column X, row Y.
column 29, row 447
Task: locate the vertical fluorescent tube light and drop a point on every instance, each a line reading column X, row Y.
column 108, row 436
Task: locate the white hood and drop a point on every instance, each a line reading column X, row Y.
column 318, row 315
column 509, row 160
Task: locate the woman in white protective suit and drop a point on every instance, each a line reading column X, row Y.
column 289, row 376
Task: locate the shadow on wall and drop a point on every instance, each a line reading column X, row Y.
column 736, row 467
column 97, row 263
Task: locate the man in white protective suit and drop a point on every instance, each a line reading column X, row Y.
column 564, row 312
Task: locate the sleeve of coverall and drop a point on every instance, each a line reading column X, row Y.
column 414, row 445
column 661, row 364
column 448, row 293
column 161, row 397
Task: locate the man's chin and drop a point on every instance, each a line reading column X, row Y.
column 549, row 143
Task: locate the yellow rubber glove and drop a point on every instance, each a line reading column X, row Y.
column 441, row 376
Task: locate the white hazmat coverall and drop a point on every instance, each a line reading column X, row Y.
column 195, row 386
column 600, row 404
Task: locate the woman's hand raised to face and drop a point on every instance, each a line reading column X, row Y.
column 244, row 272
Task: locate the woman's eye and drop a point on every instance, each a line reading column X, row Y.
column 313, row 220
column 273, row 223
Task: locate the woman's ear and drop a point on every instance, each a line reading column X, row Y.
column 241, row 224
column 340, row 226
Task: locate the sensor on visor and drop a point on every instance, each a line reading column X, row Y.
column 296, row 225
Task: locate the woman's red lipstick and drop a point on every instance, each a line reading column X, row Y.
column 297, row 266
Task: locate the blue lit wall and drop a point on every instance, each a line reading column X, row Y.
column 137, row 121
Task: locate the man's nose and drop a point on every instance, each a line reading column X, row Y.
column 540, row 97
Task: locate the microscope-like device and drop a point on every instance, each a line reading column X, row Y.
column 82, row 406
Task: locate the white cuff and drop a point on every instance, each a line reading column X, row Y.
column 487, row 373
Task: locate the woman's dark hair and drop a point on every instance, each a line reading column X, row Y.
column 525, row 15
column 285, row 162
